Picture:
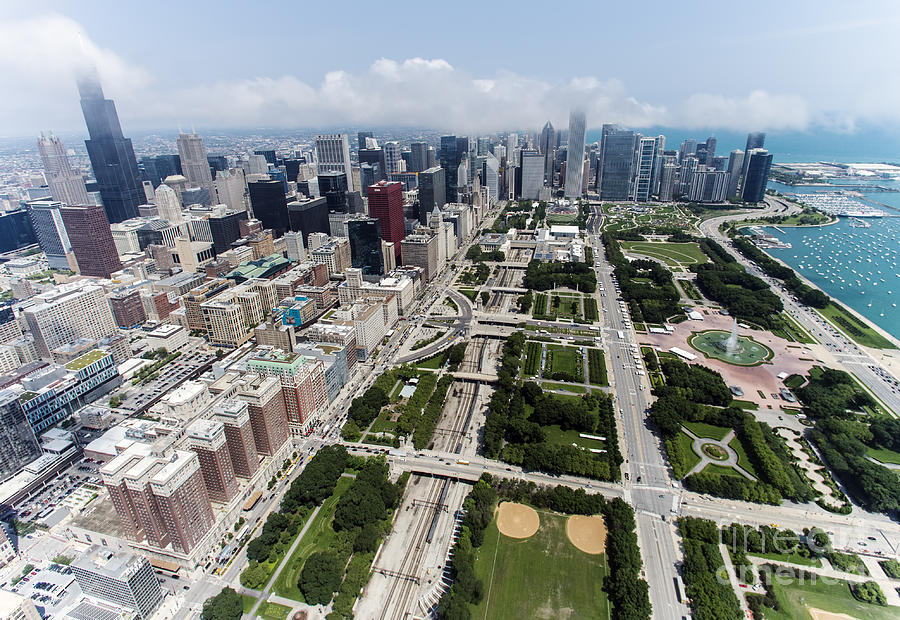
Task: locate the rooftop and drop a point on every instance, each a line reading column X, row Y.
column 86, row 360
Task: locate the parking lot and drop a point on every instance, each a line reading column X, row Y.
column 139, row 398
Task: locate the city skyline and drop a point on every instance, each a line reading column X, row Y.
column 750, row 83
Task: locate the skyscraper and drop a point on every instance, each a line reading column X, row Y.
column 575, row 154
column 450, row 163
column 392, row 158
column 432, row 192
column 18, row 447
column 547, row 147
column 532, row 175
column 119, row 577
column 65, row 185
column 755, row 140
column 111, row 154
column 361, row 137
column 91, row 239
column 735, row 168
column 758, row 163
column 168, row 205
column 270, row 205
column 418, row 156
column 646, row 156
column 333, row 155
column 333, row 187
column 616, row 161
column 365, row 245
column 386, row 204
column 194, row 161
column 50, row 232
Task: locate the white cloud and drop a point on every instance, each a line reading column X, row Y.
column 39, row 59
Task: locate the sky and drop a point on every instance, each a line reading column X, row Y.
column 455, row 66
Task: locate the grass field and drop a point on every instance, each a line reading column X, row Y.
column 544, row 576
column 319, row 537
column 566, row 438
column 686, row 446
column 743, row 460
column 597, row 367
column 856, row 329
column 434, row 363
column 531, row 364
column 671, row 254
column 690, row 290
column 795, row 332
column 883, row 455
column 744, row 404
column 590, row 309
column 273, row 611
column 565, row 359
column 702, row 429
column 793, row 558
column 247, row 602
column 795, row 599
column 719, row 470
column 575, row 389
column 383, row 424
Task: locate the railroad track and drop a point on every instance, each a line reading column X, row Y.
column 404, row 583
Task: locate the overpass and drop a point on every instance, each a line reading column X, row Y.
column 474, row 376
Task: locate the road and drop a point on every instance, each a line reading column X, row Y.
column 859, row 361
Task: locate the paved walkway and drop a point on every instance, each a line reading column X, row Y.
column 730, row 461
column 808, row 467
column 732, row 578
column 264, row 596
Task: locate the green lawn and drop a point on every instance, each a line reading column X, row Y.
column 794, row 381
column 575, row 389
column 719, row 470
column 273, row 611
column 565, row 359
column 795, row 599
column 743, row 460
column 566, row 438
column 796, row 333
column 247, row 602
column 433, row 363
column 686, row 446
column 544, row 576
column 883, row 455
column 744, row 404
column 793, row 558
column 597, row 367
column 319, row 537
column 383, row 424
column 702, row 429
column 856, row 329
column 671, row 254
column 531, row 363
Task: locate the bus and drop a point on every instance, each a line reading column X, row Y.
column 620, row 334
column 252, row 501
column 462, row 462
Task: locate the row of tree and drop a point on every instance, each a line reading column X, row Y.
column 476, row 254
column 431, row 413
column 498, row 408
column 711, row 597
column 805, row 293
column 645, row 284
column 467, row 588
column 627, row 592
column 540, row 276
column 745, row 296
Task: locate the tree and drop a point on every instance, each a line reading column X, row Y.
column 226, row 605
column 366, row 539
column 485, row 296
column 321, row 577
column 115, row 401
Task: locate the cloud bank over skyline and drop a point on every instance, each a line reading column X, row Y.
column 40, row 57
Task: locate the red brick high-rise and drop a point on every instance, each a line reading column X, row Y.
column 207, row 439
column 91, row 239
column 235, row 415
column 386, row 204
column 268, row 414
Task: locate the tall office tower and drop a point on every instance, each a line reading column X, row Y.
column 217, row 163
column 268, row 154
column 758, row 164
column 735, row 168
column 50, row 232
column 392, row 158
column 667, row 180
column 646, row 155
column 207, row 439
column 708, row 185
column 432, row 192
column 155, row 169
column 512, row 142
column 230, row 188
column 532, row 175
column 361, row 137
column 365, row 246
column 688, row 147
column 450, row 163
column 127, row 307
column 685, row 172
column 386, row 204
column 333, row 187
column 168, row 204
column 91, row 239
column 302, row 384
column 268, row 415
column 658, row 164
column 375, row 158
column 482, row 146
column 18, row 446
column 225, row 229
column 709, row 150
column 194, row 161
column 12, row 605
column 490, row 175
column 333, row 155
column 118, row 577
column 111, row 154
column 431, row 160
column 67, row 313
column 270, row 205
column 418, row 156
column 65, row 185
column 575, row 154
column 616, row 162
column 548, row 150
column 235, row 415
column 755, row 140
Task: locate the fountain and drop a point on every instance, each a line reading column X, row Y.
column 729, row 347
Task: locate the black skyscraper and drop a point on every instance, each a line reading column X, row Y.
column 450, row 162
column 15, row 230
column 269, row 154
column 361, row 138
column 333, row 186
column 432, row 192
column 754, row 189
column 418, row 157
column 111, row 153
column 226, row 229
column 309, row 216
column 755, row 140
column 375, row 157
column 365, row 246
column 270, row 205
